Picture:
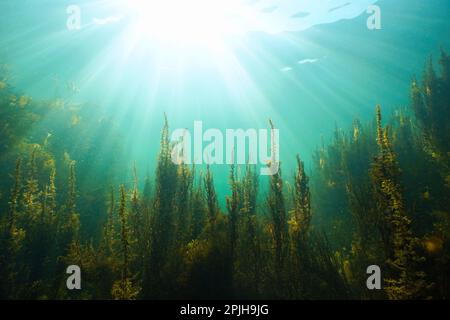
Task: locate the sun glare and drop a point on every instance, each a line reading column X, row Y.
column 181, row 21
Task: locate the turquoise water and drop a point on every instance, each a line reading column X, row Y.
column 86, row 87
column 254, row 76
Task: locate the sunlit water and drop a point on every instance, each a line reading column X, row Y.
column 309, row 66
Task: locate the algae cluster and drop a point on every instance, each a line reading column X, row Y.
column 378, row 194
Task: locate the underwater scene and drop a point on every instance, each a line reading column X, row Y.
column 224, row 149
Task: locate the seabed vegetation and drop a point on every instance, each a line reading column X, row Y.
column 378, row 194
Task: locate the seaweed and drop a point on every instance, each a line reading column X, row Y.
column 376, row 195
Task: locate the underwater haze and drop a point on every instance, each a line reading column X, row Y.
column 349, row 101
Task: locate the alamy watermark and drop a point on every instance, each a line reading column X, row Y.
column 74, row 17
column 74, row 280
column 374, row 20
column 374, row 280
column 234, row 146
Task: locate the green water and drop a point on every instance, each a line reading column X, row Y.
column 134, row 80
column 100, row 94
